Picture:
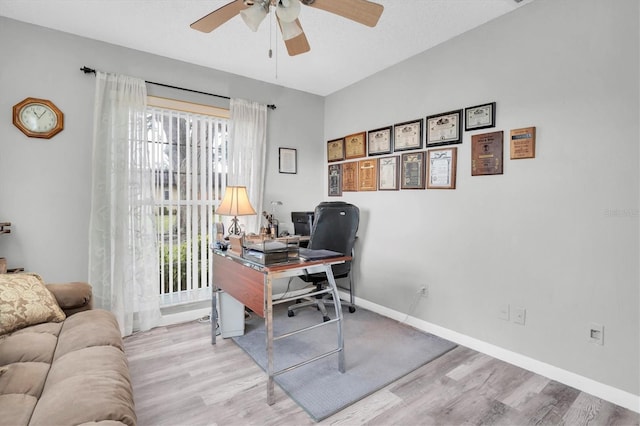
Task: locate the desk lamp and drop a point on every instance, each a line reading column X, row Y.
column 235, row 203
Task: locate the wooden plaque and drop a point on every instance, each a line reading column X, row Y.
column 523, row 143
column 355, row 146
column 368, row 175
column 350, row 176
column 487, row 154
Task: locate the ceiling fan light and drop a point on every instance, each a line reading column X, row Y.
column 288, row 10
column 290, row 30
column 254, row 15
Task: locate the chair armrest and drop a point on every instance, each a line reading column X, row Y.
column 73, row 296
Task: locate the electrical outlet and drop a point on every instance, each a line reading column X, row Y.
column 423, row 291
column 596, row 333
column 504, row 312
column 519, row 315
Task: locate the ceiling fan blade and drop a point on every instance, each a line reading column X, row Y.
column 298, row 44
column 210, row 22
column 361, row 11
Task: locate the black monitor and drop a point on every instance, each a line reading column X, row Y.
column 302, row 222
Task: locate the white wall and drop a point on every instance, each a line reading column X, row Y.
column 558, row 234
column 45, row 184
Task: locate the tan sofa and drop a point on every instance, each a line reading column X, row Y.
column 65, row 366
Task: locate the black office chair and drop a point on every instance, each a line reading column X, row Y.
column 334, row 228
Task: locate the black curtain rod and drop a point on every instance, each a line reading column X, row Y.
column 88, row 70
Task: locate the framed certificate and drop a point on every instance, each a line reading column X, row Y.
column 388, row 172
column 441, row 168
column 355, row 145
column 444, row 129
column 350, row 176
column 368, row 175
column 486, row 154
column 335, row 150
column 412, row 170
column 335, row 180
column 480, row 117
column 287, row 160
column 380, row 141
column 407, row 135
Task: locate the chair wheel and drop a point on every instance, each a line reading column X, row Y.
column 325, row 318
column 290, row 313
column 352, row 309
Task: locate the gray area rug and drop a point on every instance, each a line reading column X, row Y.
column 378, row 351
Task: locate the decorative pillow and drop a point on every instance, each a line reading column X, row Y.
column 25, row 301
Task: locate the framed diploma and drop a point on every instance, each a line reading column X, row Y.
column 350, row 176
column 486, row 154
column 335, row 150
column 407, row 135
column 480, row 117
column 287, row 160
column 380, row 141
column 523, row 143
column 412, row 170
column 335, row 180
column 388, row 172
column 444, row 129
column 355, row 146
column 441, row 168
column 368, row 175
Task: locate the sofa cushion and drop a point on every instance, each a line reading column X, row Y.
column 89, row 328
column 24, row 301
column 16, row 409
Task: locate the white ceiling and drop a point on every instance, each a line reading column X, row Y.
column 342, row 51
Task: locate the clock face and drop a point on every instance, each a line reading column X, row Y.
column 38, row 118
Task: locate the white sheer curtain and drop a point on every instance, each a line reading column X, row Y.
column 123, row 256
column 247, row 154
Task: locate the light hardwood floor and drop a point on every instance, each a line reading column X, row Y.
column 179, row 378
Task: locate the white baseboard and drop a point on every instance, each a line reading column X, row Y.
column 590, row 386
column 185, row 316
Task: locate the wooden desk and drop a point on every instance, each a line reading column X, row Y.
column 251, row 284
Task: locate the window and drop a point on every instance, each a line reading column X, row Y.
column 188, row 147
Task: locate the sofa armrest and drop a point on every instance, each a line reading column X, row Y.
column 73, row 296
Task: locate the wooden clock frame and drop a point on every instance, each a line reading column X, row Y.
column 45, row 135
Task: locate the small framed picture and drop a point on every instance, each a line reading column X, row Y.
column 335, row 150
column 407, row 135
column 487, row 154
column 412, row 170
column 335, row 180
column 441, row 168
column 444, row 129
column 355, row 146
column 388, row 173
column 380, row 141
column 480, row 117
column 287, row 160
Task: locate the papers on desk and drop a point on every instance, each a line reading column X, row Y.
column 310, row 254
column 267, row 246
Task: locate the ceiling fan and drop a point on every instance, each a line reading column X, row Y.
column 253, row 13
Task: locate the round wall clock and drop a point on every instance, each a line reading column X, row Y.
column 38, row 118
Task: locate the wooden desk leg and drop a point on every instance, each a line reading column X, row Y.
column 214, row 316
column 268, row 324
column 338, row 305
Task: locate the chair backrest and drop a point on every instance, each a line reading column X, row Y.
column 335, row 226
column 302, row 222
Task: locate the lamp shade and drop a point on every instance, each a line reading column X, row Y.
column 235, row 202
column 254, row 15
column 288, row 10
